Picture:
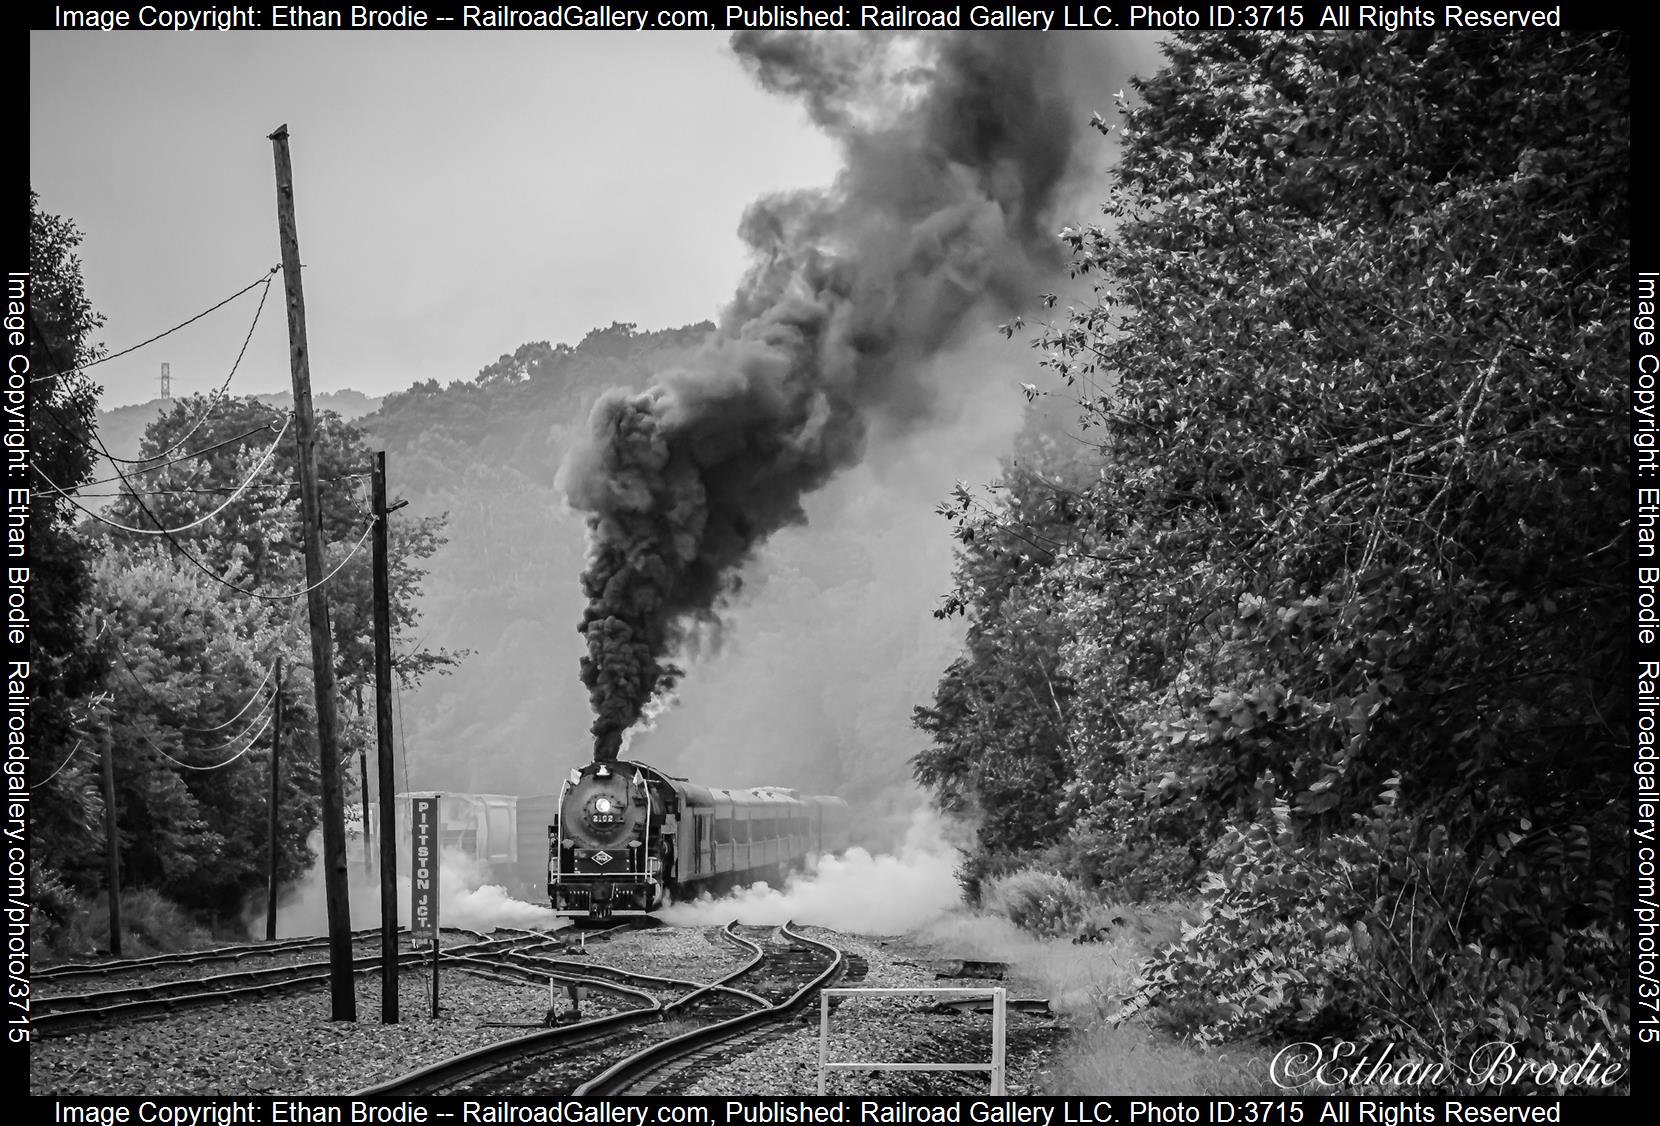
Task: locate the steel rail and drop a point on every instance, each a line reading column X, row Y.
column 536, row 968
column 232, row 952
column 451, row 1070
column 616, row 1079
column 68, row 1011
column 513, row 1049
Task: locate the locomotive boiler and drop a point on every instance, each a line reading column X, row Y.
column 629, row 838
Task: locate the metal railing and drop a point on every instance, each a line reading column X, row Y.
column 999, row 1026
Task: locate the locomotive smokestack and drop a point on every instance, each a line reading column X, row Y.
column 954, row 146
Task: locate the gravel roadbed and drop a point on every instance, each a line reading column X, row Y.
column 286, row 1044
column 889, row 1029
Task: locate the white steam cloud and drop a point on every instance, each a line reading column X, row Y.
column 855, row 892
column 465, row 899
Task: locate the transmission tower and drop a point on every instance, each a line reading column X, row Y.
column 166, row 380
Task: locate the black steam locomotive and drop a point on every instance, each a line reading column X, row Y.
column 630, row 838
column 625, row 838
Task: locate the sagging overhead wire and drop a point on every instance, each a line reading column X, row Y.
column 217, row 394
column 162, row 464
column 67, row 760
column 139, row 681
column 180, row 548
column 61, row 372
column 253, row 741
column 282, row 596
column 160, row 531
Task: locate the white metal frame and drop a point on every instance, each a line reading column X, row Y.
column 999, row 1029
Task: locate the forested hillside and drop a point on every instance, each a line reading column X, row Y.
column 1300, row 596
column 487, row 451
column 121, row 429
column 1327, row 618
column 830, row 644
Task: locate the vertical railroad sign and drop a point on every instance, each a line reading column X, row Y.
column 423, row 883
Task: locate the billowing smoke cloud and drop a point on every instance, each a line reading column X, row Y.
column 954, row 148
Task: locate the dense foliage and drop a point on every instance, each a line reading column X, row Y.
column 195, row 621
column 254, row 539
column 1341, row 613
column 66, row 662
column 186, row 709
column 191, row 624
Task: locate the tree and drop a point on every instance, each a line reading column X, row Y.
column 255, row 542
column 1349, row 594
column 1000, row 720
column 188, row 713
column 65, row 656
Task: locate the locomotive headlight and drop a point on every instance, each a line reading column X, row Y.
column 603, row 805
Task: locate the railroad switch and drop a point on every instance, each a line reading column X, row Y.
column 576, row 993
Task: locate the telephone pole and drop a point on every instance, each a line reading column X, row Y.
column 383, row 730
column 112, row 847
column 271, row 864
column 341, row 992
column 368, row 833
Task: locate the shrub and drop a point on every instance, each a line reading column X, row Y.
column 1045, row 903
column 150, row 923
column 71, row 928
column 61, row 920
column 1388, row 936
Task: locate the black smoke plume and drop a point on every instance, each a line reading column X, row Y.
column 954, row 146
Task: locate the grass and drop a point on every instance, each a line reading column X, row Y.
column 1083, row 982
column 150, row 924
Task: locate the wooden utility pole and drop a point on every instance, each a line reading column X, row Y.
column 368, row 833
column 112, row 847
column 276, row 769
column 342, row 994
column 383, row 762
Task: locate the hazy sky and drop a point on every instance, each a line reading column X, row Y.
column 457, row 194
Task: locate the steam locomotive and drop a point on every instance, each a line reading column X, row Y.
column 629, row 838
column 625, row 838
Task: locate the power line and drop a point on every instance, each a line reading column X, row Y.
column 177, row 546
column 217, row 394
column 139, row 681
column 61, row 765
column 206, row 491
column 57, row 490
column 106, row 359
column 254, row 739
column 158, row 530
column 215, row 490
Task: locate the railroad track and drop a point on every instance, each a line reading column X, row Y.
column 236, row 952
column 788, row 980
column 608, row 1054
column 680, row 1075
column 61, row 1014
column 232, row 952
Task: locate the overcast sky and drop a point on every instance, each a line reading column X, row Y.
column 457, row 194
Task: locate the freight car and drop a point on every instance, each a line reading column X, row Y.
column 504, row 836
column 630, row 838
